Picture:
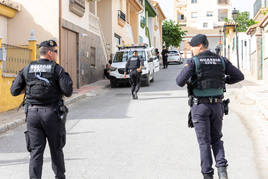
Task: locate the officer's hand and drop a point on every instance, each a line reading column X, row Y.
column 125, row 75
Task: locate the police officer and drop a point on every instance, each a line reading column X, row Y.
column 133, row 68
column 208, row 74
column 164, row 54
column 45, row 83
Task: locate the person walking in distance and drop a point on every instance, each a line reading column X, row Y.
column 164, row 54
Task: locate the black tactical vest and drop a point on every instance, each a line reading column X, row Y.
column 134, row 63
column 41, row 86
column 210, row 76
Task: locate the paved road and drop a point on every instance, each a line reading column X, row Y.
column 111, row 136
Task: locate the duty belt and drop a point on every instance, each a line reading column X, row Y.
column 209, row 100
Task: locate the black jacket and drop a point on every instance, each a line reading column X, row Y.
column 62, row 78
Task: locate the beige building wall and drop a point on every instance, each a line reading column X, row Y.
column 121, row 31
column 105, row 15
column 40, row 16
column 3, row 29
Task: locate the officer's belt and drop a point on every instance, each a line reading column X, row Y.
column 207, row 100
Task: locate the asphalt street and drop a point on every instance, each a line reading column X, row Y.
column 111, row 136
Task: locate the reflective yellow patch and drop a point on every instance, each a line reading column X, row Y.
column 186, row 65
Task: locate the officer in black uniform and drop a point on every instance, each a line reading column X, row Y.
column 133, row 68
column 164, row 54
column 45, row 83
column 208, row 74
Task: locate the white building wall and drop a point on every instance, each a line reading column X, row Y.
column 142, row 30
column 3, row 29
column 40, row 16
column 201, row 8
column 151, row 29
column 71, row 17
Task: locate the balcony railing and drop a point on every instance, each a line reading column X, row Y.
column 121, row 15
column 141, row 2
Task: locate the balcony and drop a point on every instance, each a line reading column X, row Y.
column 94, row 23
column 121, row 18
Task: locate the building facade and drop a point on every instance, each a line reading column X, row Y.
column 205, row 17
column 120, row 21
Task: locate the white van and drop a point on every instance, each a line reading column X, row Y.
column 151, row 64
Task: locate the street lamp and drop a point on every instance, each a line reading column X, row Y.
column 235, row 14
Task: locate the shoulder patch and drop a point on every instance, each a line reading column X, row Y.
column 186, row 65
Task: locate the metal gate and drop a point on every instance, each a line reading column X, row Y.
column 16, row 58
column 69, row 59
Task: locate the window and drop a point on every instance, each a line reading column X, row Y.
column 117, row 39
column 93, row 56
column 223, row 1
column 193, row 1
column 194, row 14
column 209, row 13
column 180, row 17
column 205, row 25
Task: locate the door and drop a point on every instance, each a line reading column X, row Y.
column 69, row 60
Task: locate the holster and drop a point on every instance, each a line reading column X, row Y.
column 63, row 111
column 226, row 106
column 190, row 122
column 190, row 103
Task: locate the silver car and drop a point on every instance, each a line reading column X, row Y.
column 174, row 56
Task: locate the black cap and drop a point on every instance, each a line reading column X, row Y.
column 198, row 39
column 48, row 43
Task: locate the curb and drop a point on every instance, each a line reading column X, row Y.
column 21, row 120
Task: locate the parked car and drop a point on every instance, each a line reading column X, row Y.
column 174, row 56
column 151, row 64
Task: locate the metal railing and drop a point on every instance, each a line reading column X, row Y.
column 141, row 2
column 16, row 58
column 121, row 15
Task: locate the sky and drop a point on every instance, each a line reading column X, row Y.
column 241, row 5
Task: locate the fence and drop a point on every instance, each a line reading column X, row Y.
column 16, row 58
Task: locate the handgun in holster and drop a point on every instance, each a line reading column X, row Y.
column 226, row 106
column 63, row 111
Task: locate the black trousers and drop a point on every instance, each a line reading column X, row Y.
column 207, row 119
column 135, row 81
column 44, row 124
column 165, row 63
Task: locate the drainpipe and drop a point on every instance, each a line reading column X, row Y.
column 60, row 29
column 259, row 53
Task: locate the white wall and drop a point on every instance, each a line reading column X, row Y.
column 41, row 16
column 202, row 7
column 73, row 18
column 3, row 29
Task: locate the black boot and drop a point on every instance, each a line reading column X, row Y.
column 222, row 172
column 208, row 176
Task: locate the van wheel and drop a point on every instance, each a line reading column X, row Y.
column 152, row 80
column 112, row 83
column 147, row 81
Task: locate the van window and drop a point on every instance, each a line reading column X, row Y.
column 124, row 56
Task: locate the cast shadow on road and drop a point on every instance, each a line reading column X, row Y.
column 4, row 163
column 157, row 98
column 114, row 104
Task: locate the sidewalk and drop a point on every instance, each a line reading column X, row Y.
column 250, row 101
column 13, row 118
